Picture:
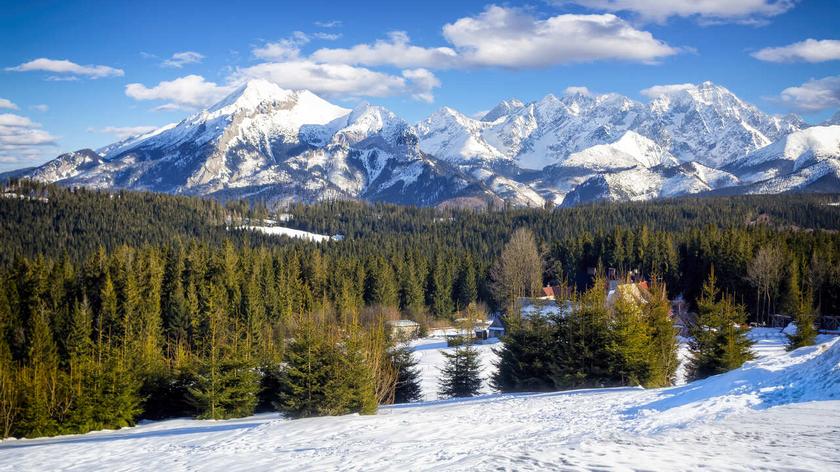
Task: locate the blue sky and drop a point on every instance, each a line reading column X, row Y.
column 82, row 74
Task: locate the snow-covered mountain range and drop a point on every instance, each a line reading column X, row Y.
column 267, row 143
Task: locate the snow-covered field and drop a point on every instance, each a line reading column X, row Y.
column 292, row 233
column 781, row 411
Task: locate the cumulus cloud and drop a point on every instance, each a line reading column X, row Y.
column 284, row 49
column 740, row 11
column 810, row 50
column 396, row 51
column 659, row 90
column 42, row 107
column 511, row 37
column 22, row 140
column 577, row 90
column 63, row 66
column 341, row 79
column 123, row 132
column 189, row 92
column 813, row 95
column 8, row 104
column 180, row 59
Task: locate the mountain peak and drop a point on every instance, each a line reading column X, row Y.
column 251, row 94
column 504, row 108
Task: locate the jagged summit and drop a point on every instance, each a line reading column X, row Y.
column 504, row 108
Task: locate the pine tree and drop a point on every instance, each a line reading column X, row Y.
column 440, row 290
column 466, row 289
column 227, row 391
column 803, row 318
column 664, row 345
column 407, row 387
column 42, row 381
column 583, row 340
column 310, row 362
column 719, row 341
column 10, row 391
column 525, row 356
column 630, row 343
column 461, row 376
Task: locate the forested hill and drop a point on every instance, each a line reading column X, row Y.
column 789, row 211
column 50, row 220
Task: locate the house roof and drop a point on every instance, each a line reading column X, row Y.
column 402, row 323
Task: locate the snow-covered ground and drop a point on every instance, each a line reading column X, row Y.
column 428, row 351
column 292, row 233
column 781, row 411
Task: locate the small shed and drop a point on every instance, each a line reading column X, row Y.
column 403, row 329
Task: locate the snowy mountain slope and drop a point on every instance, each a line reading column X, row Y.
column 806, row 160
column 641, row 183
column 67, row 166
column 504, row 108
column 791, row 153
column 631, row 150
column 264, row 142
column 709, row 124
column 779, row 412
column 705, row 123
column 452, row 136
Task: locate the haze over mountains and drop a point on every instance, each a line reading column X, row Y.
column 267, row 143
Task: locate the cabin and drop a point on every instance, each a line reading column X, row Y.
column 403, row 329
column 631, row 291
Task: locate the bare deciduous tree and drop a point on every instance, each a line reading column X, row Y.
column 765, row 273
column 518, row 271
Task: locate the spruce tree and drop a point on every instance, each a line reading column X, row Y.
column 525, row 356
column 407, row 388
column 804, row 319
column 719, row 342
column 461, row 376
column 630, row 343
column 664, row 345
column 466, row 289
column 311, row 360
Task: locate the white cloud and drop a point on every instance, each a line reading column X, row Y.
column 659, row 90
column 326, row 36
column 22, row 140
column 188, row 92
column 123, row 132
column 395, row 51
column 8, row 104
column 813, row 95
column 742, row 11
column 575, row 90
column 9, row 119
column 283, row 50
column 63, row 66
column 341, row 80
column 328, row 24
column 42, row 107
column 180, row 59
column 510, row 37
column 810, row 50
